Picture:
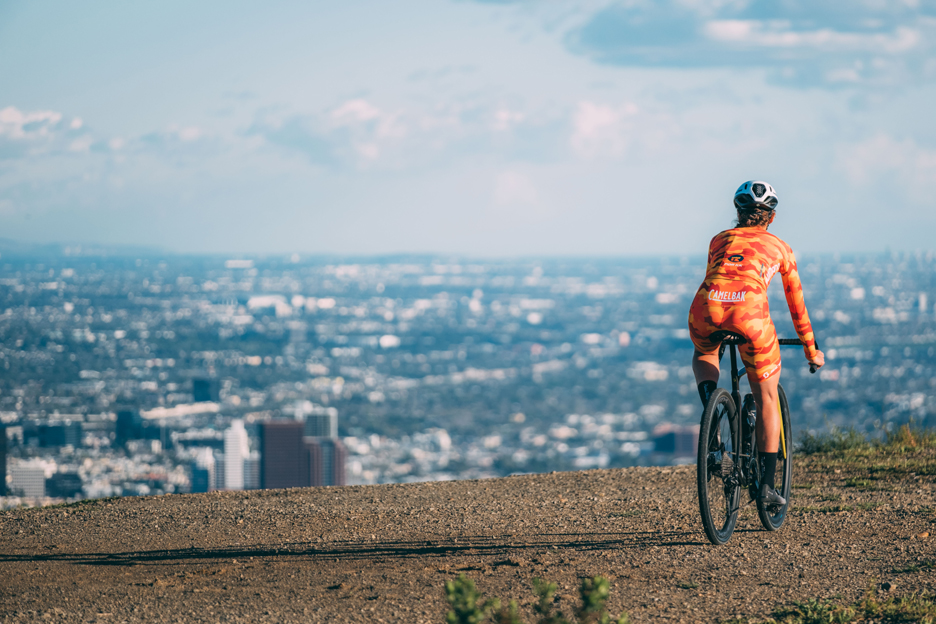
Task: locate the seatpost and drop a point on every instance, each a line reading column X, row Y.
column 735, row 379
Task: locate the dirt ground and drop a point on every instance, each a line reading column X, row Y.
column 383, row 553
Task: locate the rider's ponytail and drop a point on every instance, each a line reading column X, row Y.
column 755, row 216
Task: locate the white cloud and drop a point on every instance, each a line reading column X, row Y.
column 17, row 124
column 370, row 151
column 911, row 166
column 505, row 119
column 355, row 111
column 600, row 129
column 778, row 34
column 81, row 144
column 190, row 134
column 801, row 43
column 512, row 188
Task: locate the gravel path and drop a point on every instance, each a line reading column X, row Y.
column 382, row 553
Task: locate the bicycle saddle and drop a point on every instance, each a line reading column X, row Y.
column 727, row 337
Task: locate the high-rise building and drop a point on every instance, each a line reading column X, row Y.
column 327, row 457
column 252, row 471
column 203, row 471
column 236, row 450
column 28, row 480
column 64, row 485
column 3, row 454
column 129, row 426
column 284, row 458
column 66, row 433
column 322, row 422
column 218, row 482
column 204, row 389
column 199, row 479
column 290, row 457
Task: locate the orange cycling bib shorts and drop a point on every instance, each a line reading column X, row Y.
column 733, row 297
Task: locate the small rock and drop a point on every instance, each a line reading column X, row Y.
column 923, row 535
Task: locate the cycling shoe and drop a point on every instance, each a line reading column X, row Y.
column 770, row 496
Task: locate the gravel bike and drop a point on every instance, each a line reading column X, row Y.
column 728, row 458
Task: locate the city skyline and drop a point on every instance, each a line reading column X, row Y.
column 155, row 375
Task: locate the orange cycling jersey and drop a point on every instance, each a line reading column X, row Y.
column 733, row 297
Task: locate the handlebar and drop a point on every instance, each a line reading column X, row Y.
column 797, row 342
column 735, row 339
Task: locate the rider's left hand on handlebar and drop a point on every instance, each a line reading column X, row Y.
column 818, row 361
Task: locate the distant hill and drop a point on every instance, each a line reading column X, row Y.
column 19, row 249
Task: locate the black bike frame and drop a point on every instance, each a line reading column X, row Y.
column 730, row 341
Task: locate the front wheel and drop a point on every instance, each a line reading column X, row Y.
column 716, row 475
column 772, row 516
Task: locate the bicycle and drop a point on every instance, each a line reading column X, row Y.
column 728, row 457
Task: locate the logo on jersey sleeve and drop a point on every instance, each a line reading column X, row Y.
column 767, row 273
column 736, row 258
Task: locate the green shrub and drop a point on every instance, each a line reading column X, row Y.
column 817, row 612
column 470, row 607
column 912, row 608
column 832, row 441
column 909, row 437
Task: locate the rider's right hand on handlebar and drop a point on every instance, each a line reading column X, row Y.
column 818, row 361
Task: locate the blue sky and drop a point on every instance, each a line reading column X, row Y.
column 481, row 128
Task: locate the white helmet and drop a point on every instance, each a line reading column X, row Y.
column 755, row 193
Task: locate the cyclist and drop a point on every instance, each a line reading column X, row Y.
column 733, row 298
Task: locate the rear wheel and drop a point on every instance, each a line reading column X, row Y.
column 772, row 516
column 716, row 475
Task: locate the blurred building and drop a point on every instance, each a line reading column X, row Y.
column 219, row 476
column 64, row 485
column 3, row 454
column 66, row 433
column 290, row 457
column 236, row 451
column 202, row 471
column 52, row 434
column 284, row 458
column 129, row 426
column 669, row 439
column 204, row 389
column 28, row 480
column 252, row 471
column 327, row 458
column 321, row 422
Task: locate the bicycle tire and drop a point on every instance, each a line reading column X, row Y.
column 717, row 483
column 773, row 516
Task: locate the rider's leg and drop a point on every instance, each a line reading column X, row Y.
column 705, row 368
column 768, row 412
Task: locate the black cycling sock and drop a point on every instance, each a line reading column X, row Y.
column 706, row 388
column 769, row 462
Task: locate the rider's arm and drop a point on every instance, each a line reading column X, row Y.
column 793, row 290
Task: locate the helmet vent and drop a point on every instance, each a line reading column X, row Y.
column 758, row 189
